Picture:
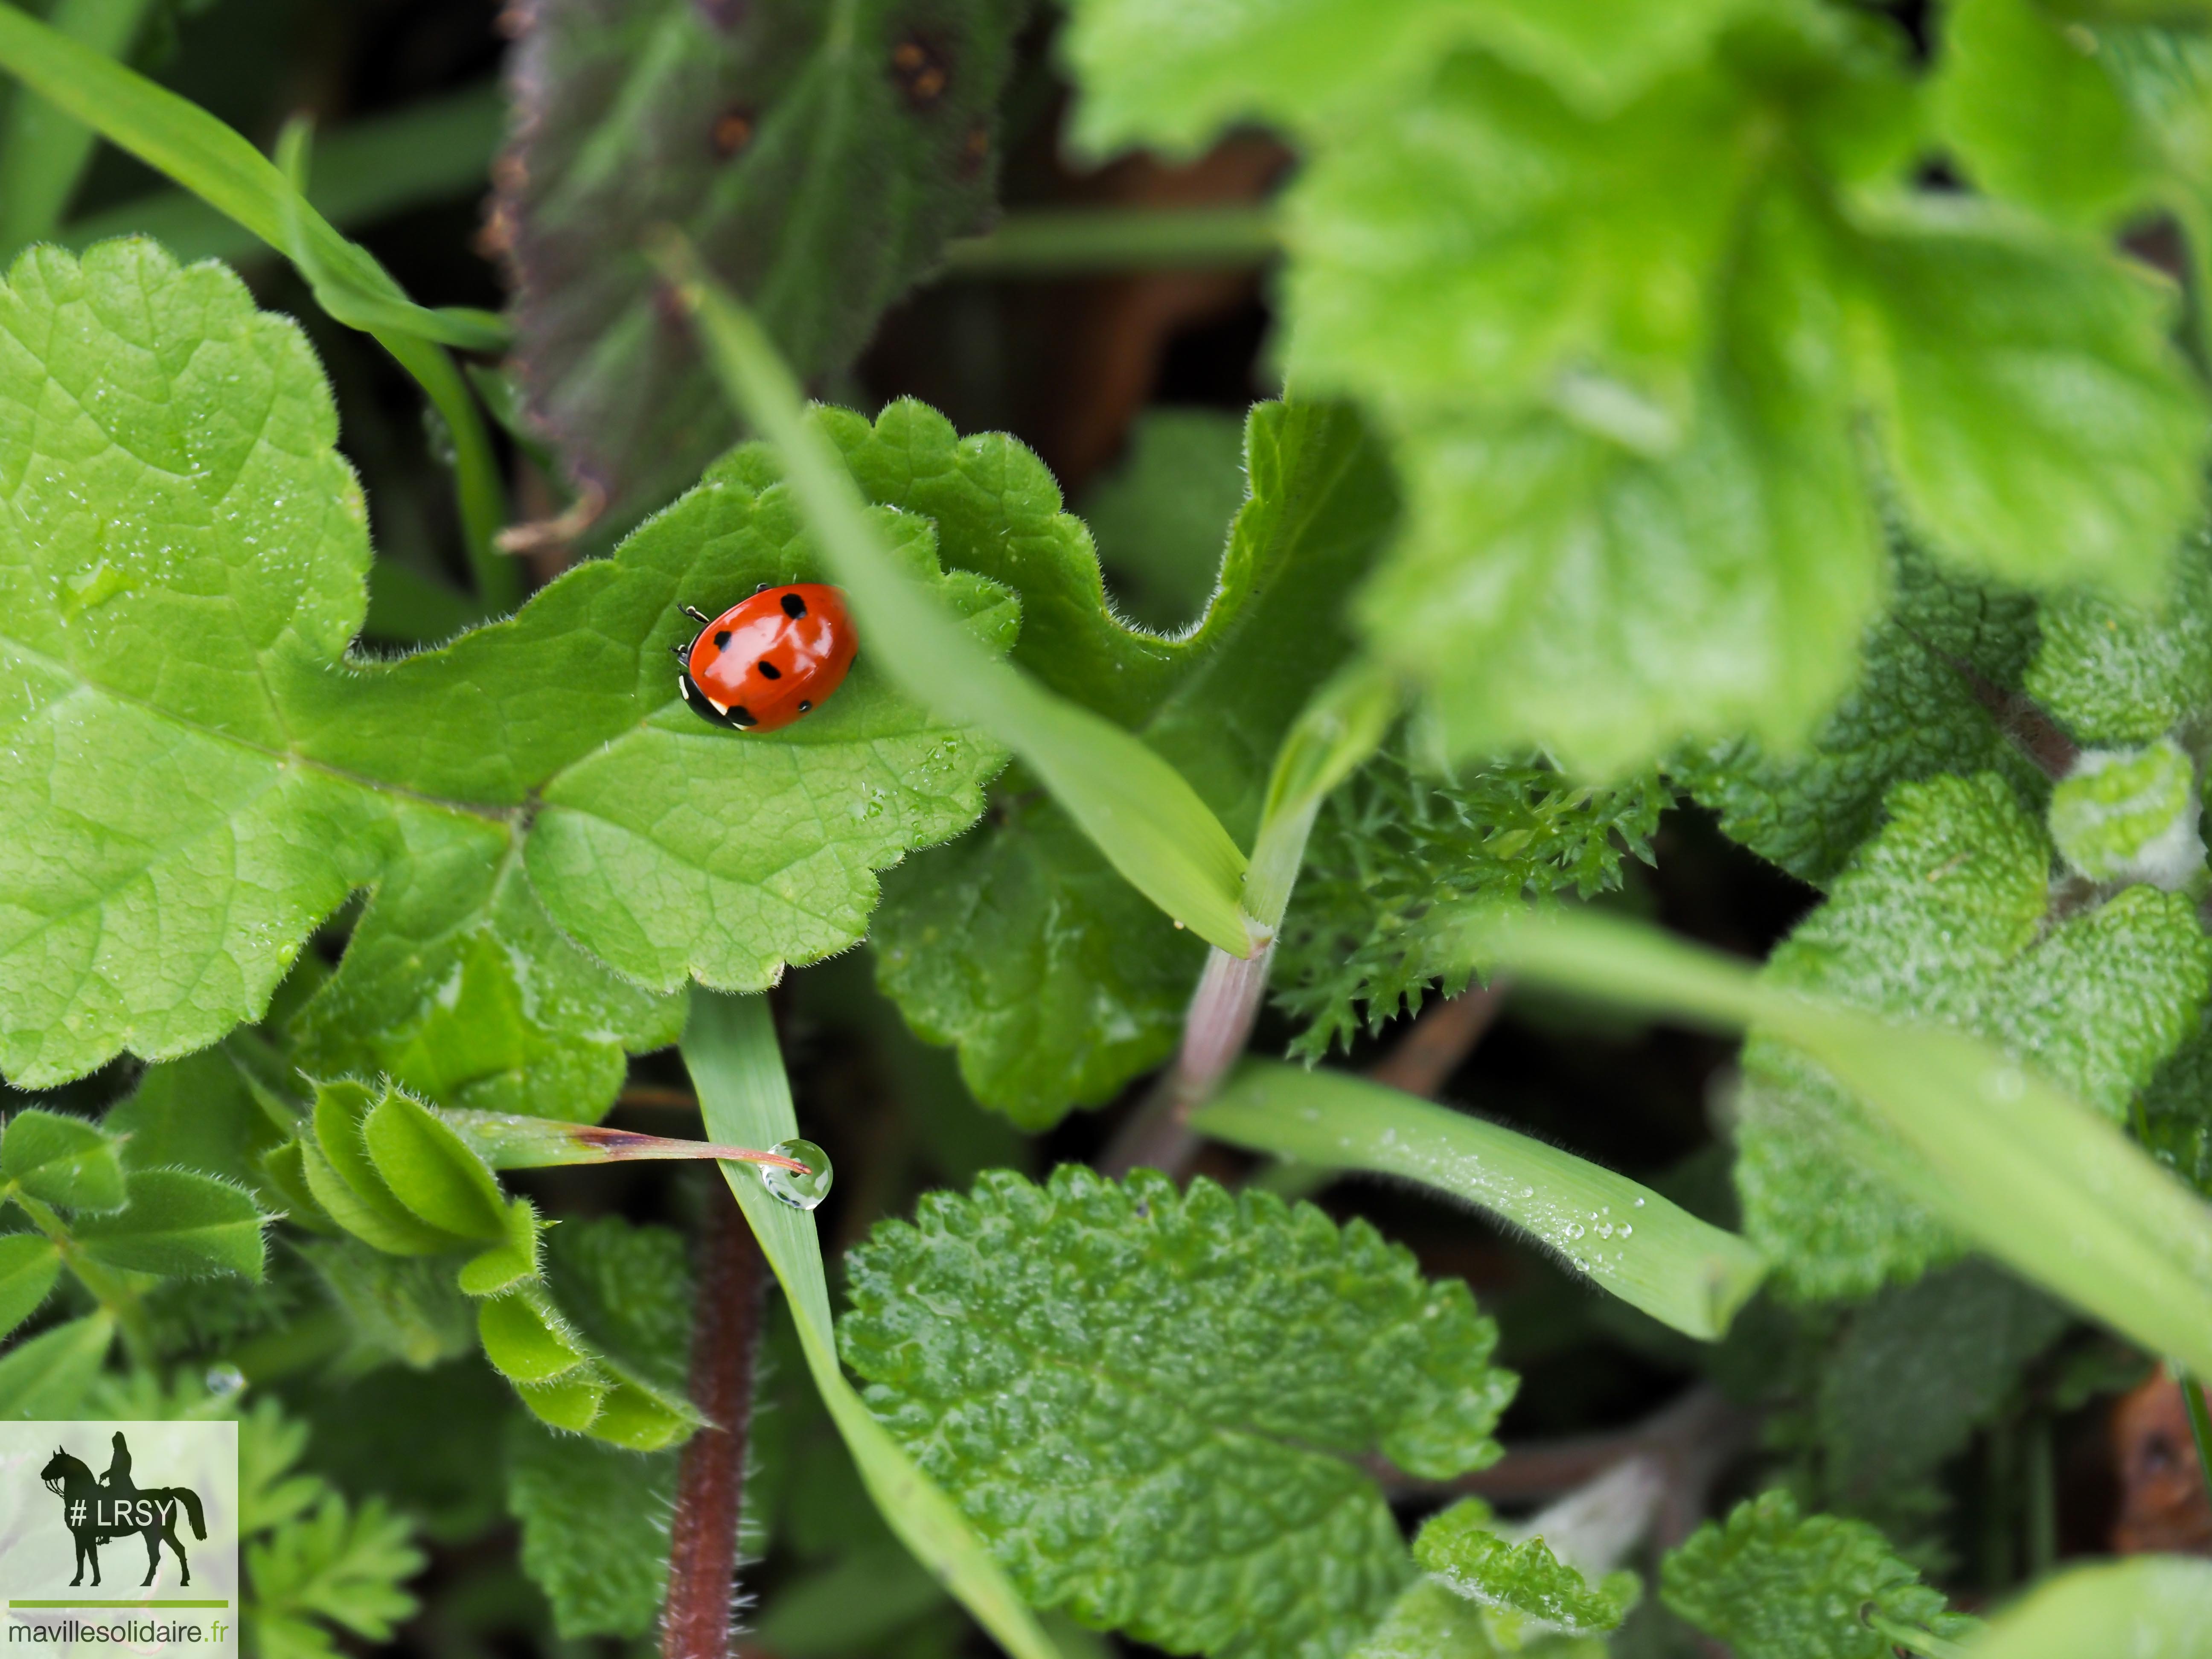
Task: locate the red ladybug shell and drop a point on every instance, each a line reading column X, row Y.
column 771, row 659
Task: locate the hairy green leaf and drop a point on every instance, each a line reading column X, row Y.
column 1067, row 1359
column 2115, row 673
column 1945, row 917
column 197, row 1113
column 29, row 1264
column 224, row 806
column 346, row 1182
column 1776, row 1585
column 395, row 1309
column 818, row 155
column 179, row 1223
column 432, row 1170
column 1521, row 1578
column 1917, row 710
column 1397, row 858
column 2160, row 1604
column 1020, row 945
column 1171, row 76
column 594, row 1528
column 61, row 1160
column 1159, row 517
column 2130, row 815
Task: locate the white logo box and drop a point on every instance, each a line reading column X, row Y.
column 180, row 1482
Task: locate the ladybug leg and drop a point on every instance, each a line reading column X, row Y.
column 696, row 614
column 683, row 653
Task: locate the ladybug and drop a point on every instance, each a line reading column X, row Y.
column 768, row 660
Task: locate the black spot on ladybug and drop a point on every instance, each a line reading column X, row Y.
column 742, row 715
column 804, row 705
column 721, row 639
column 793, row 606
column 920, row 72
column 769, row 669
column 731, row 131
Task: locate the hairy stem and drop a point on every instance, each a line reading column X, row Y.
column 1158, row 1136
column 702, row 1538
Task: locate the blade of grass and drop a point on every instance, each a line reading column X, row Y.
column 427, row 153
column 1143, row 817
column 2148, row 1604
column 43, row 152
column 729, row 1047
column 2028, row 1174
column 175, row 136
column 1630, row 1241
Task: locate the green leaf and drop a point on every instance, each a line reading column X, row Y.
column 340, row 1564
column 1427, row 1621
column 2151, row 1604
column 521, row 1020
column 2115, row 673
column 29, row 1264
column 2030, row 108
column 2037, row 418
column 626, row 1291
column 197, row 1113
column 1774, row 1585
column 1915, row 711
column 179, row 1224
column 2130, row 815
column 1632, row 1240
column 49, row 1375
column 510, row 1261
column 1055, row 979
column 1557, row 585
column 1946, row 917
column 347, row 1183
column 1499, row 250
column 432, row 1170
column 1396, row 857
column 742, row 127
column 1522, row 1579
column 62, row 1160
column 526, row 1341
column 729, row 1047
column 161, row 890
column 1264, row 1351
column 1160, row 516
column 1161, row 74
column 594, row 1529
column 1142, row 813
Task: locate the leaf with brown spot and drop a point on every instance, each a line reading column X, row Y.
column 818, row 154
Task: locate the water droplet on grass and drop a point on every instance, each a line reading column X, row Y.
column 801, row 1192
column 225, row 1379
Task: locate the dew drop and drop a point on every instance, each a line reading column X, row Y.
column 225, row 1380
column 801, row 1192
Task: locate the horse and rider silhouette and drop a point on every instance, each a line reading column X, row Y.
column 98, row 1509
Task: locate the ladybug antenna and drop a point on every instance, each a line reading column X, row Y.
column 696, row 614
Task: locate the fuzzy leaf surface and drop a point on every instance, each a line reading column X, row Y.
column 1428, row 1621
column 61, row 1160
column 594, row 1528
column 1776, row 1585
column 1914, row 713
column 29, row 1264
column 1945, row 917
column 532, row 787
column 1160, row 516
column 1072, row 1362
column 1054, row 977
column 179, row 1224
column 2117, row 673
column 817, row 156
column 1521, row 1578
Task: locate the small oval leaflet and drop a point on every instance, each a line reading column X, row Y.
column 801, row 1192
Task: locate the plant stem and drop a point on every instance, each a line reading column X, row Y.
column 109, row 1290
column 703, row 1540
column 2200, row 1422
column 1157, row 1136
column 1080, row 239
column 1914, row 1639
